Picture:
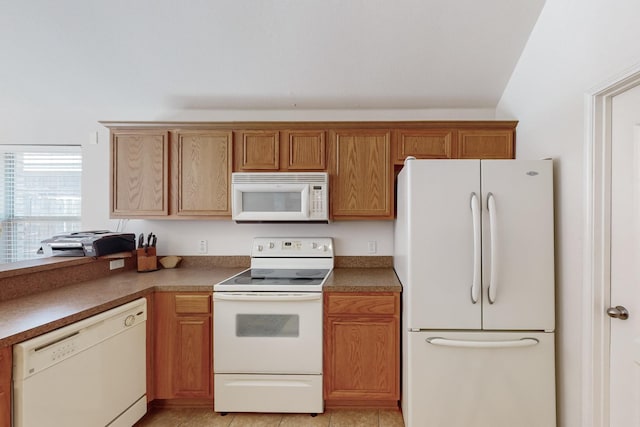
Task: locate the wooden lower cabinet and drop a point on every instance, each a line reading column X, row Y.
column 183, row 354
column 6, row 371
column 362, row 349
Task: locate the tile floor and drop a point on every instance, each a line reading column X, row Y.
column 330, row 418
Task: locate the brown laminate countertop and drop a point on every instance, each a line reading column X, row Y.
column 362, row 280
column 32, row 315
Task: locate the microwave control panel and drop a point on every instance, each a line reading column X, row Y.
column 317, row 202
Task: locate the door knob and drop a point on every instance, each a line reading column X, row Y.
column 618, row 312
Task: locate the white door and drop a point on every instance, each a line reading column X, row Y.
column 625, row 260
column 518, row 245
column 434, row 209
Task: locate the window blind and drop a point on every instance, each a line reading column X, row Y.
column 39, row 198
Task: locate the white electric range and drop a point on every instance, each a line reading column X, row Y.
column 268, row 328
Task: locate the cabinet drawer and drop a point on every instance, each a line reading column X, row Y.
column 193, row 304
column 361, row 304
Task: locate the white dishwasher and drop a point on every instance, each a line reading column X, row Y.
column 90, row 373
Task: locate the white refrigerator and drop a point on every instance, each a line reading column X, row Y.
column 474, row 251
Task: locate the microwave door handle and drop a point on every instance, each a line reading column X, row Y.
column 305, row 201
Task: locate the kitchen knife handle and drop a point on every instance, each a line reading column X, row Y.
column 477, row 249
column 493, row 237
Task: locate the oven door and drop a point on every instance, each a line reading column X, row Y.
column 267, row 332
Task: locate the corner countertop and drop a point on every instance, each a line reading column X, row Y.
column 32, row 315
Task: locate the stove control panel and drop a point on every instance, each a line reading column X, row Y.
column 292, row 247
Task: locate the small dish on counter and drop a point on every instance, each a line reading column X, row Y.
column 170, row 261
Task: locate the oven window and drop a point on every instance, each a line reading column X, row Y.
column 267, row 325
column 261, row 201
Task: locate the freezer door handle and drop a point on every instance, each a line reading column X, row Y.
column 493, row 238
column 477, row 249
column 444, row 342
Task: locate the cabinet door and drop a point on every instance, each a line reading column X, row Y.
column 203, row 172
column 5, row 386
column 424, row 144
column 362, row 358
column 362, row 348
column 139, row 173
column 362, row 174
column 193, row 357
column 183, row 352
column 305, row 150
column 258, row 150
column 485, row 144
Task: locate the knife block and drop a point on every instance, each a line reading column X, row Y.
column 147, row 259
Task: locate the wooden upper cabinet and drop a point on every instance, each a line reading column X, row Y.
column 424, row 144
column 183, row 169
column 275, row 150
column 202, row 164
column 257, row 150
column 305, row 150
column 486, row 144
column 139, row 173
column 361, row 171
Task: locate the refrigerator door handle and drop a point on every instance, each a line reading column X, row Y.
column 493, row 238
column 443, row 342
column 477, row 248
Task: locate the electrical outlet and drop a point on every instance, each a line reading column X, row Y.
column 203, row 248
column 116, row 263
column 373, row 246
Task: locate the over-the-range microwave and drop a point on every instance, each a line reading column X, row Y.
column 280, row 196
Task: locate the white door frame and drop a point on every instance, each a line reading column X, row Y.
column 597, row 247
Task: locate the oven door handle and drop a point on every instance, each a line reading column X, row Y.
column 255, row 296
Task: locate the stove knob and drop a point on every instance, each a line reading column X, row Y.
column 314, row 245
column 272, row 245
column 323, row 248
column 260, row 248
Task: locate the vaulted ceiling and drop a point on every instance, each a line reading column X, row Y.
column 262, row 54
